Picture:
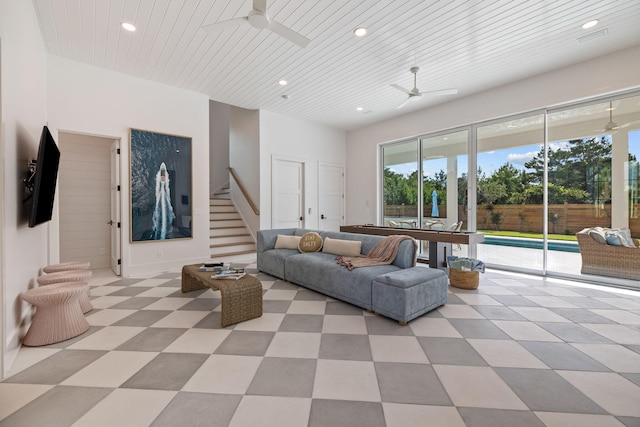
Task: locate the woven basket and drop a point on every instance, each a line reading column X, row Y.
column 464, row 279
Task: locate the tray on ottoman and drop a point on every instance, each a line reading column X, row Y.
column 241, row 299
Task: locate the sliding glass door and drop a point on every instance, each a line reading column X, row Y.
column 400, row 184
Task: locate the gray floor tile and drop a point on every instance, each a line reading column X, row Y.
column 57, row 367
column 325, row 413
column 173, row 283
column 529, row 291
column 635, row 348
column 493, row 312
column 452, row 298
column 211, row 321
column 563, row 356
column 201, row 304
column 482, row 417
column 167, row 371
column 124, row 282
column 586, row 302
column 67, row 343
column 380, row 325
column 345, row 347
column 135, row 303
column 152, row 339
column 634, row 378
column 629, row 421
column 308, row 295
column 129, row 291
column 410, row 383
column 301, row 323
column 580, row 315
column 545, row 390
column 198, row 410
column 275, row 306
column 143, row 318
column 572, row 333
column 59, row 407
column 246, row 343
column 514, row 301
column 271, row 375
column 342, row 308
column 481, row 329
column 168, row 275
column 282, row 285
column 450, row 351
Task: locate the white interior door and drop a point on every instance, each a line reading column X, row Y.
column 330, row 196
column 114, row 222
column 287, row 193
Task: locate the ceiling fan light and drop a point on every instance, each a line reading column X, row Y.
column 611, row 126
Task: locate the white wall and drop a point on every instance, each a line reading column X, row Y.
column 614, row 72
column 244, row 158
column 303, row 140
column 219, row 145
column 87, row 99
column 23, row 250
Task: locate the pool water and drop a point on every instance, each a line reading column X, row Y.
column 553, row 245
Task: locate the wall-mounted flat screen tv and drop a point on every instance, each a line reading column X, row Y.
column 46, row 175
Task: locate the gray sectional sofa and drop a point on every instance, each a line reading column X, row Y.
column 401, row 290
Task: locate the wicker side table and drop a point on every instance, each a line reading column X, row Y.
column 241, row 299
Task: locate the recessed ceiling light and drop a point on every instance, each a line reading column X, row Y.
column 282, row 82
column 359, row 109
column 360, row 31
column 128, row 26
column 590, row 24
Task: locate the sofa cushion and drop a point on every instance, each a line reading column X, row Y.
column 597, row 234
column 341, row 247
column 287, row 242
column 310, row 242
column 624, row 234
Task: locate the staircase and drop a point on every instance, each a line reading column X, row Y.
column 230, row 240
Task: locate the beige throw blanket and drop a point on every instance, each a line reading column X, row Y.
column 383, row 253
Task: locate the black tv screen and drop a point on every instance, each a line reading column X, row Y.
column 45, row 178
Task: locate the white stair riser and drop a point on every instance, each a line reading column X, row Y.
column 226, row 223
column 222, row 240
column 218, row 232
column 224, row 215
column 220, row 202
column 221, row 209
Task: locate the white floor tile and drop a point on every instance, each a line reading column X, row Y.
column 98, row 291
column 224, row 374
column 614, row 393
column 620, row 316
column 295, row 345
column 478, row 299
column 307, row 307
column 150, row 283
column 433, row 327
column 15, row 396
column 525, row 331
column 126, row 407
column 161, row 291
column 477, row 387
column 459, row 311
column 338, row 324
column 506, row 354
column 107, row 338
column 388, row 348
column 539, row 314
column 111, row 370
column 623, row 303
column 346, row 380
column 551, row 301
column 107, row 316
column 267, row 322
column 107, row 301
column 268, row 411
column 556, row 419
column 198, row 341
column 181, row 319
column 614, row 357
column 280, row 294
column 617, row 333
column 29, row 356
column 400, row 415
column 495, row 290
column 168, row 304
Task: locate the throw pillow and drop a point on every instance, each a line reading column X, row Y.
column 597, row 234
column 287, row 242
column 342, row 247
column 310, row 242
column 614, row 238
column 625, row 236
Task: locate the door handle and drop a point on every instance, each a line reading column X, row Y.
column 301, row 218
column 110, row 222
column 322, row 216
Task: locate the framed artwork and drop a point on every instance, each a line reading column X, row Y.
column 160, row 186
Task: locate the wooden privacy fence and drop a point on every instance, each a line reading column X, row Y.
column 570, row 219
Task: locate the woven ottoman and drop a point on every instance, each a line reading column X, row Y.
column 406, row 294
column 58, row 315
column 77, row 276
column 66, row 266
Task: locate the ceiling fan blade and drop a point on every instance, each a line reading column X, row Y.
column 222, row 25
column 289, row 34
column 260, row 5
column 406, row 101
column 452, row 91
column 401, row 89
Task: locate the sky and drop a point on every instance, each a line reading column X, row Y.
column 492, row 160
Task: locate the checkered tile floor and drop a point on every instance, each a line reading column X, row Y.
column 519, row 351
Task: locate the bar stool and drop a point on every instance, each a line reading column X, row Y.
column 66, row 266
column 70, row 276
column 58, row 315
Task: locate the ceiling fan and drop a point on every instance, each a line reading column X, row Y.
column 258, row 18
column 415, row 92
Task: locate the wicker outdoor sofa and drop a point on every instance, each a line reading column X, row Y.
column 608, row 260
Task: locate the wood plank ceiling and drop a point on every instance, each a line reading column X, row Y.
column 469, row 45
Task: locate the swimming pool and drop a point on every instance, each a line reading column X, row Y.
column 553, row 245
